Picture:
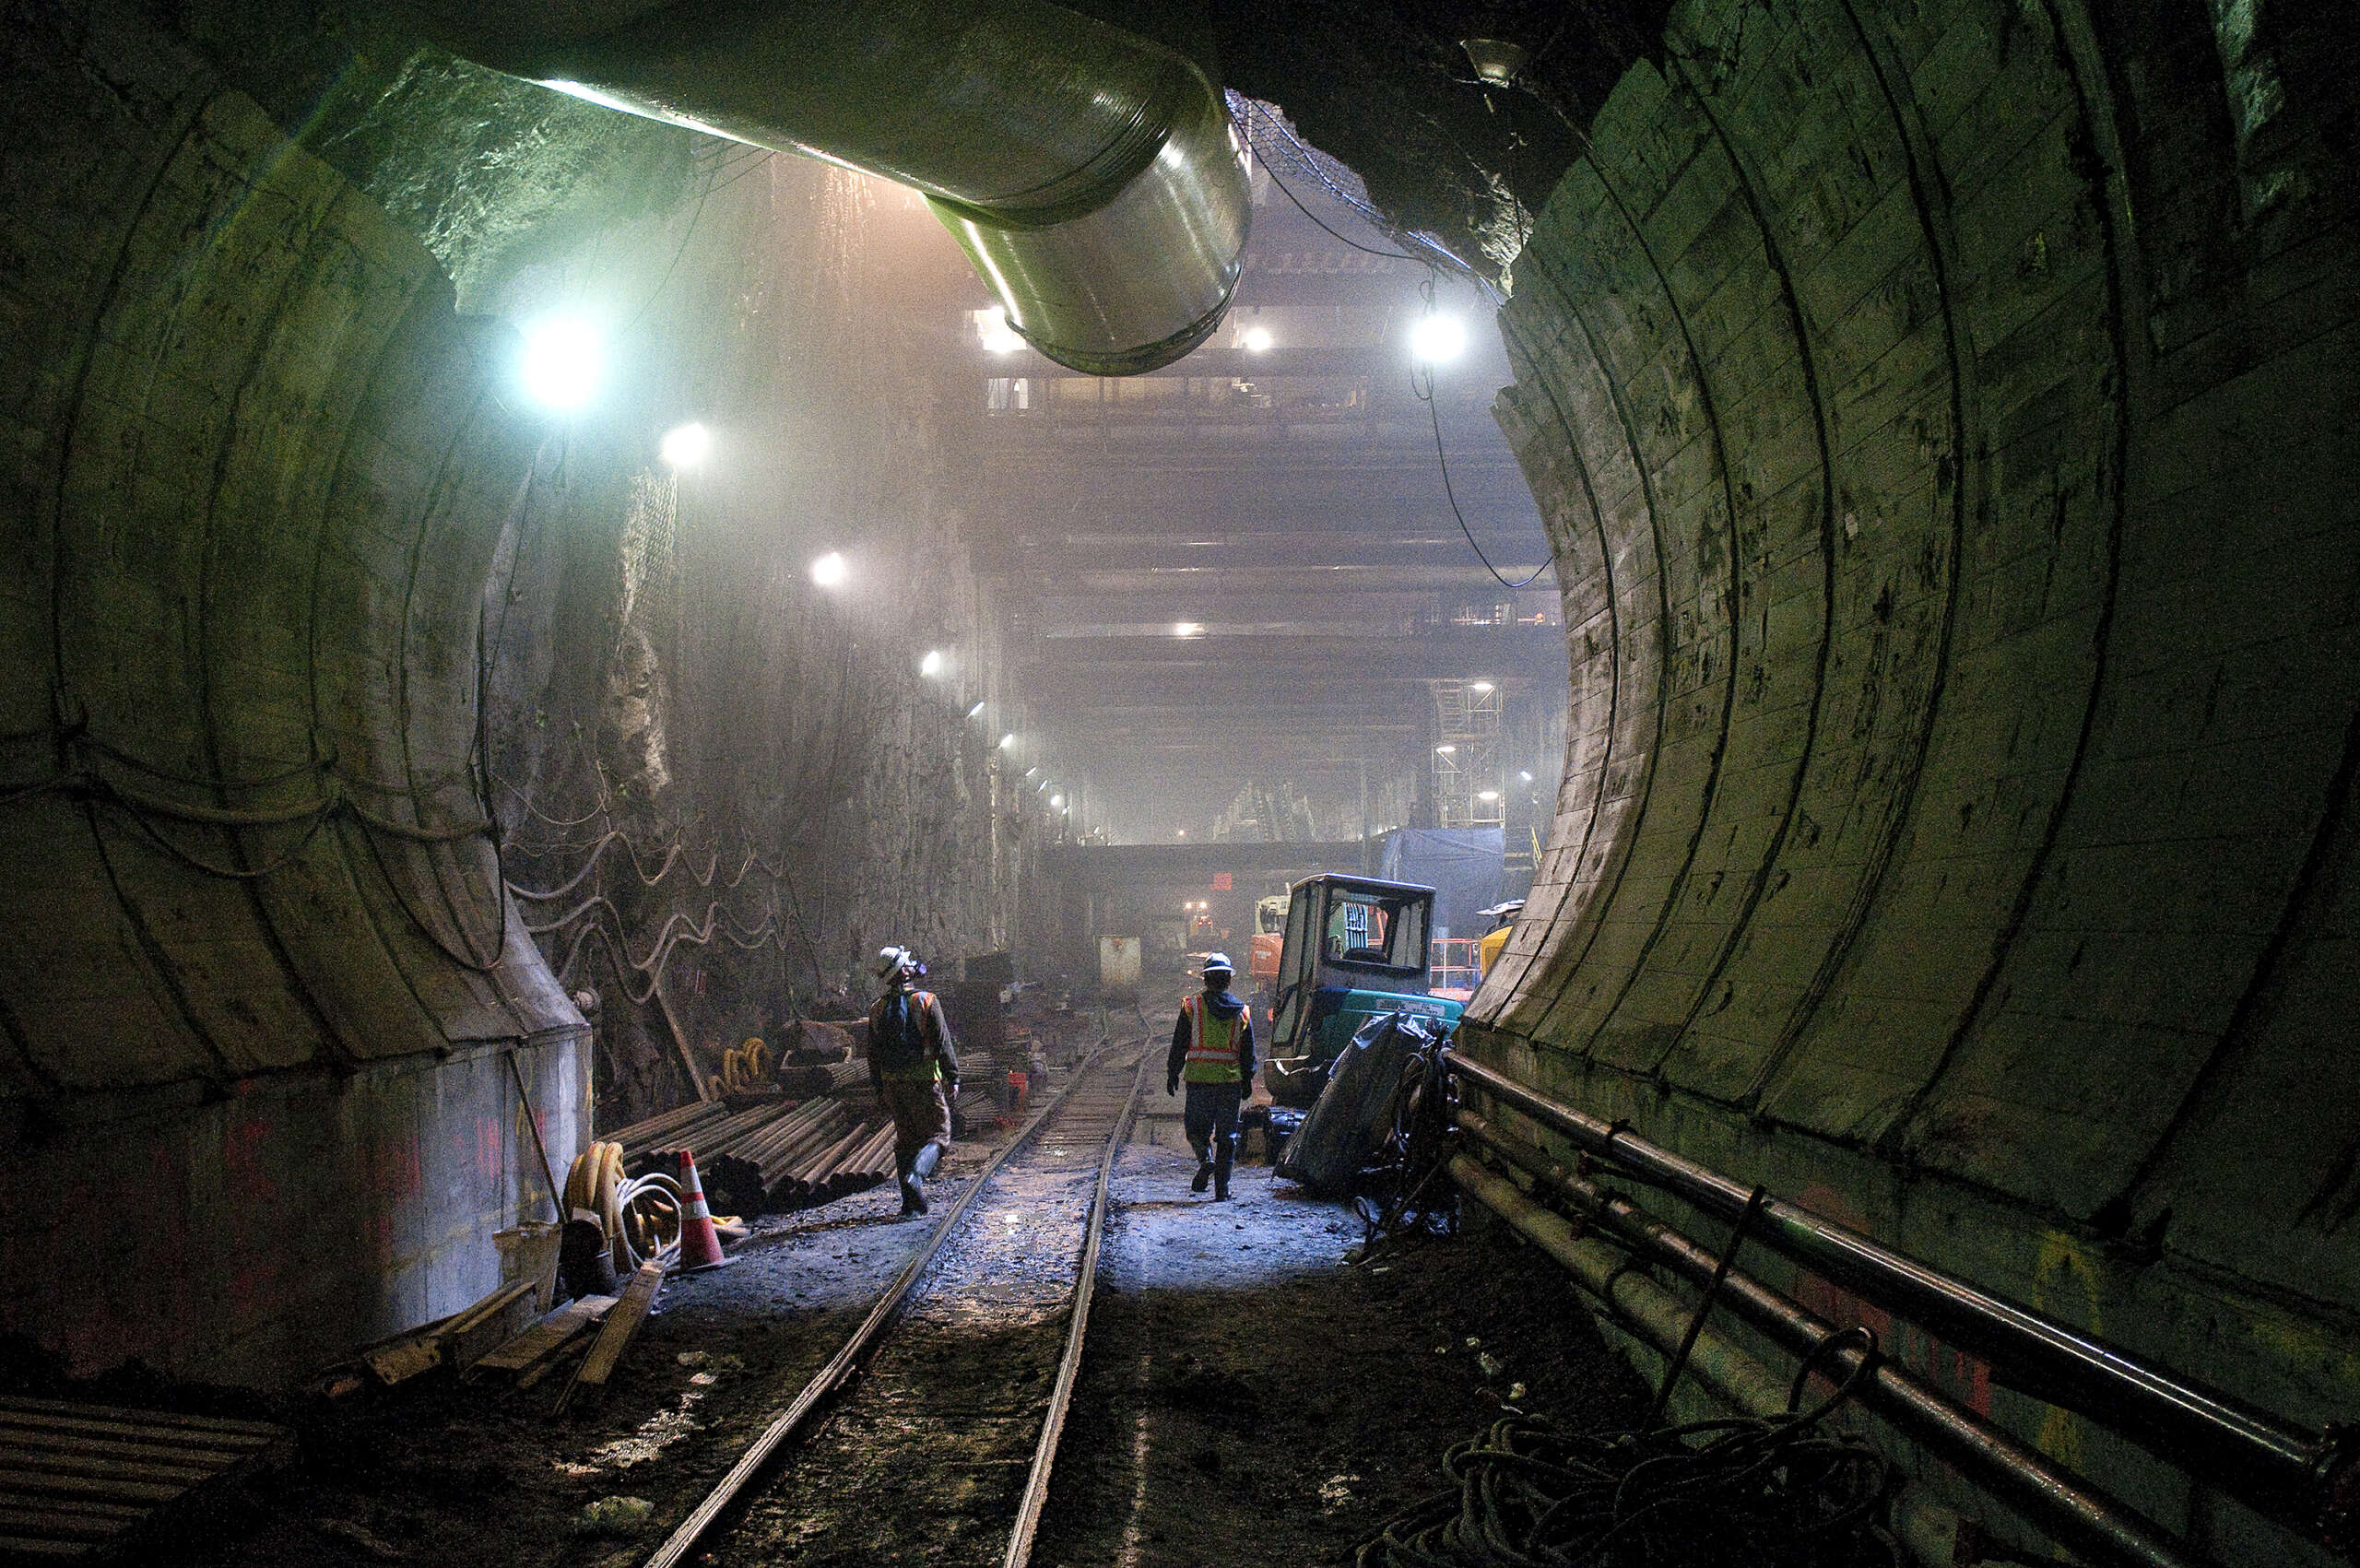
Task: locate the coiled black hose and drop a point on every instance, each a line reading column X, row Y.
column 1777, row 1492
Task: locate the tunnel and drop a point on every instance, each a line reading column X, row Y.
column 1881, row 574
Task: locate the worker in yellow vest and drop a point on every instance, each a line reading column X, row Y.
column 1212, row 1049
column 913, row 1067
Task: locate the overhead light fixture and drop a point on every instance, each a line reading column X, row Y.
column 997, row 336
column 1180, row 832
column 1487, row 795
column 1478, row 685
column 1446, row 750
column 564, row 361
column 1255, row 340
column 1436, row 337
column 1525, row 776
column 1058, row 800
column 1495, row 60
column 1030, row 772
column 1005, row 741
column 976, row 711
column 932, row 663
column 685, row 446
column 1187, row 629
column 830, row 570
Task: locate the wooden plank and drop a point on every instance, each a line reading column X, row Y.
column 38, row 1484
column 81, row 1507
column 487, row 1325
column 569, row 1352
column 64, row 1427
column 400, row 1361
column 544, row 1336
column 206, row 1460
column 54, row 1462
column 67, row 1523
column 476, row 1315
column 680, row 1043
column 56, row 1458
column 616, row 1333
column 27, row 1545
column 142, row 1417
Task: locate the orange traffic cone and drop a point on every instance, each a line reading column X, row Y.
column 699, row 1247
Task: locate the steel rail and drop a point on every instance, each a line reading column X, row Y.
column 692, row 1530
column 2068, row 1507
column 1045, row 1454
column 2305, row 1480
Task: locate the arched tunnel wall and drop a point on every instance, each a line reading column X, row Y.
column 259, row 985
column 306, row 611
column 1944, row 415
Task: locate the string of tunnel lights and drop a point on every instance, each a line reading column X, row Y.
column 562, row 368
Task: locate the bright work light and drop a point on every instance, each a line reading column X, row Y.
column 564, row 360
column 685, row 446
column 830, row 570
column 1438, row 337
column 932, row 663
column 997, row 336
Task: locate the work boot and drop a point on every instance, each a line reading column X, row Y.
column 1221, row 1174
column 1204, row 1170
column 914, row 1179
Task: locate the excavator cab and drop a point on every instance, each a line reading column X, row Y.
column 1354, row 949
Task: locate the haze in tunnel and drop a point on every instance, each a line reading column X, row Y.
column 1939, row 419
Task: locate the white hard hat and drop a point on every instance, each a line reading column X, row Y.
column 892, row 960
column 1217, row 963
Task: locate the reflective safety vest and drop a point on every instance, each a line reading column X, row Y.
column 1212, row 1044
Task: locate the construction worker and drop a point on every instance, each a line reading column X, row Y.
column 1212, row 1048
column 914, row 1069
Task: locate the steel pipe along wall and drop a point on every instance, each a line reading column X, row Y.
column 1941, row 415
column 256, row 972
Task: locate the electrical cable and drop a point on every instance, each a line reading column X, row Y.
column 1282, row 184
column 1780, row 1491
column 1450, row 491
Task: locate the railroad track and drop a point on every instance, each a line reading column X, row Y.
column 931, row 1434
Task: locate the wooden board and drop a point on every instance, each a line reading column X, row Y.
column 543, row 1338
column 616, row 1333
column 405, row 1358
column 487, row 1325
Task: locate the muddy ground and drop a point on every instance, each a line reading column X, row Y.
column 1252, row 1395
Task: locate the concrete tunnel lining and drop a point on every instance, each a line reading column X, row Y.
column 1939, row 419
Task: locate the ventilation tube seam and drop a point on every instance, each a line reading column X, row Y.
column 1093, row 177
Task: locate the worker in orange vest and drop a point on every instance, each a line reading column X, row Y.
column 1212, row 1049
column 914, row 1069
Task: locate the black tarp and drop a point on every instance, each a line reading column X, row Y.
column 1461, row 865
column 1353, row 1115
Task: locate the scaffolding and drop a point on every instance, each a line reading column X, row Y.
column 1468, row 792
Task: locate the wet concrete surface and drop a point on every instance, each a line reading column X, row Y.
column 1250, row 1394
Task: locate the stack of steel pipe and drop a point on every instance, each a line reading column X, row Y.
column 973, row 1110
column 860, row 1158
column 749, row 1167
column 706, row 1139
column 670, row 1128
column 825, row 1078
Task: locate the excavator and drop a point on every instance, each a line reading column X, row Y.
column 1262, row 950
column 1353, row 949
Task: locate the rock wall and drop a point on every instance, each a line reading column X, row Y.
column 1940, row 412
